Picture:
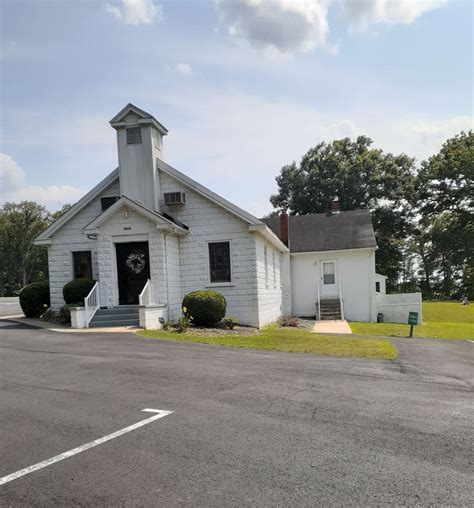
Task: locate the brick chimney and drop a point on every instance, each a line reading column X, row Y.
column 284, row 229
column 335, row 205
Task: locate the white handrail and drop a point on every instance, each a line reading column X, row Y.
column 341, row 301
column 319, row 303
column 91, row 303
column 144, row 298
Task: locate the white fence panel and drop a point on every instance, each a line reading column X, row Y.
column 395, row 308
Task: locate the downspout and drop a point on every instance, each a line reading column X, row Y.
column 165, row 234
column 371, row 286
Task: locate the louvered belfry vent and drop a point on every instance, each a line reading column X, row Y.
column 134, row 135
column 175, row 198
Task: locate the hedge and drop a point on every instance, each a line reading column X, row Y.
column 34, row 299
column 76, row 290
column 206, row 308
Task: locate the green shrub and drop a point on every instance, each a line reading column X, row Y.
column 205, row 308
column 34, row 299
column 76, row 290
column 65, row 312
column 229, row 323
column 183, row 322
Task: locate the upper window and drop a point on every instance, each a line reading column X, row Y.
column 219, row 262
column 108, row 202
column 274, row 271
column 134, row 135
column 377, row 287
column 82, row 262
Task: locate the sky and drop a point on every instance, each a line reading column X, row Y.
column 243, row 86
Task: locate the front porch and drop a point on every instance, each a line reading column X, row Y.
column 134, row 268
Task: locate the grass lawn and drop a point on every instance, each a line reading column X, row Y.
column 291, row 340
column 441, row 320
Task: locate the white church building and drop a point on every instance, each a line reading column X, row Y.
column 148, row 235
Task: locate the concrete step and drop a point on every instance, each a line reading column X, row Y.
column 114, row 317
column 113, row 323
column 117, row 311
column 124, row 315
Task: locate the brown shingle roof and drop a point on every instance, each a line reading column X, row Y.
column 320, row 232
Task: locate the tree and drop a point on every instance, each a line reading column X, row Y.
column 59, row 213
column 445, row 201
column 20, row 223
column 446, row 179
column 361, row 177
column 21, row 262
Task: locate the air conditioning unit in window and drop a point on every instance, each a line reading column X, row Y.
column 175, row 198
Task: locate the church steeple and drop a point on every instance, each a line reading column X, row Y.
column 139, row 145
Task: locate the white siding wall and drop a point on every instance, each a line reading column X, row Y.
column 68, row 239
column 286, row 283
column 356, row 270
column 174, row 276
column 270, row 291
column 209, row 222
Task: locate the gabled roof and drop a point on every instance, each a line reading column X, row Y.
column 254, row 223
column 144, row 118
column 212, row 196
column 323, row 232
column 45, row 237
column 161, row 221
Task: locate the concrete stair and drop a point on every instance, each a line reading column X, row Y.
column 125, row 315
column 330, row 309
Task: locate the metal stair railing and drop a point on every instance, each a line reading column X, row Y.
column 341, row 300
column 144, row 298
column 91, row 303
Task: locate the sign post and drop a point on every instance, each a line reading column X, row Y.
column 412, row 321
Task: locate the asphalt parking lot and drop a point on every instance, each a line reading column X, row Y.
column 247, row 427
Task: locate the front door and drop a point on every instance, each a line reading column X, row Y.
column 133, row 270
column 328, row 278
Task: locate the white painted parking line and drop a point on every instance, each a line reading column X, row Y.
column 159, row 414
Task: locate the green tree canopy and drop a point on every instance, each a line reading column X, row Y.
column 445, row 180
column 21, row 262
column 444, row 237
column 360, row 176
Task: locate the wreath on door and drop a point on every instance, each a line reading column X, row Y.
column 136, row 262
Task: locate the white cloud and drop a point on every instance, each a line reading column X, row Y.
column 282, row 25
column 362, row 13
column 184, row 69
column 136, row 12
column 429, row 135
column 13, row 187
column 288, row 26
column 443, row 128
